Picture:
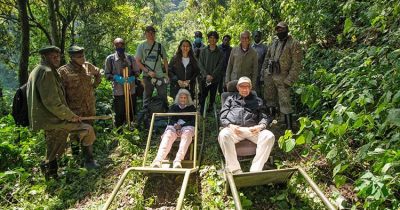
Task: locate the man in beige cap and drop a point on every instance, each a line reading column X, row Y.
column 242, row 118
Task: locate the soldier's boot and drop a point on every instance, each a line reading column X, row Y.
column 288, row 121
column 272, row 112
column 49, row 170
column 90, row 163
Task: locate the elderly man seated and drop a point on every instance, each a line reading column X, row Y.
column 242, row 118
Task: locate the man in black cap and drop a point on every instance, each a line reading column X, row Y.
column 152, row 60
column 281, row 68
column 113, row 69
column 198, row 43
column 80, row 78
column 48, row 110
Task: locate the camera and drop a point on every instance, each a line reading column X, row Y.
column 274, row 67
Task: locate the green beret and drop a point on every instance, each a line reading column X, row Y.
column 75, row 49
column 49, row 49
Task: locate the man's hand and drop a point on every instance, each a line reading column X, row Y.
column 180, row 83
column 166, row 80
column 76, row 118
column 235, row 129
column 256, row 129
column 209, row 78
column 187, row 82
column 152, row 74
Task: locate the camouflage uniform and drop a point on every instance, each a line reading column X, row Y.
column 48, row 110
column 277, row 85
column 80, row 83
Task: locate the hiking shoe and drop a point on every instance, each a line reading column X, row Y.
column 177, row 164
column 156, row 164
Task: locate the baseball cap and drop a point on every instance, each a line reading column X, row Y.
column 244, row 80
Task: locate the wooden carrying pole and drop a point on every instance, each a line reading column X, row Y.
column 127, row 94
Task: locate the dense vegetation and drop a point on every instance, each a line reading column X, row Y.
column 347, row 101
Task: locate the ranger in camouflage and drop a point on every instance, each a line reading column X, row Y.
column 281, row 67
column 80, row 79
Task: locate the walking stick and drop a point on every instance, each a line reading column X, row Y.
column 103, row 117
column 126, row 94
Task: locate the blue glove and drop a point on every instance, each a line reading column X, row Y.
column 119, row 79
column 131, row 79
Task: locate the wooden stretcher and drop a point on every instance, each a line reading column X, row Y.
column 247, row 148
column 189, row 166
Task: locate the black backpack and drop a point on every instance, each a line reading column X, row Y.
column 20, row 107
column 156, row 105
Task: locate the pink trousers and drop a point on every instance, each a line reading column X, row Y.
column 168, row 138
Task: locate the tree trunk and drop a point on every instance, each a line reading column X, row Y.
column 24, row 54
column 51, row 7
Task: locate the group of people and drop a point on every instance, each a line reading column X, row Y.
column 59, row 98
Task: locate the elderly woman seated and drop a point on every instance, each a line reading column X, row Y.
column 179, row 126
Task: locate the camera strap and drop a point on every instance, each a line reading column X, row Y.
column 276, row 46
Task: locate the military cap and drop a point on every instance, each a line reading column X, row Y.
column 75, row 49
column 49, row 49
column 282, row 25
column 150, row 29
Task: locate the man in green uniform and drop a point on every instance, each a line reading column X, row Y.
column 281, row 68
column 80, row 79
column 48, row 110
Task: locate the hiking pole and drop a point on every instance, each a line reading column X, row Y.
column 103, row 117
column 126, row 94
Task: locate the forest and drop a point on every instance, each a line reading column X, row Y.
column 347, row 103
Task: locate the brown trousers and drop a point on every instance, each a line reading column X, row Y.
column 56, row 139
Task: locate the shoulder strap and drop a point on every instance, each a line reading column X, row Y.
column 151, row 49
column 159, row 50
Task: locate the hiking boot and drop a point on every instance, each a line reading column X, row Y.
column 288, row 121
column 90, row 163
column 49, row 170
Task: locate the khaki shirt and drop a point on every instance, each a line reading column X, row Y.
column 80, row 83
column 290, row 60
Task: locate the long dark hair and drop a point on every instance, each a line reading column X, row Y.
column 178, row 55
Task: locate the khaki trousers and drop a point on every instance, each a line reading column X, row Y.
column 56, row 139
column 227, row 140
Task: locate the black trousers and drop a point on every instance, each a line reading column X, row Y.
column 212, row 89
column 119, row 108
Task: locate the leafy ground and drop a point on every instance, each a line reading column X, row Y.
column 23, row 187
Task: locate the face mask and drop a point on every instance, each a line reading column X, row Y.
column 197, row 40
column 120, row 50
column 282, row 35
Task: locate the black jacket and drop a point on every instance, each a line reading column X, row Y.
column 189, row 120
column 177, row 71
column 244, row 112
